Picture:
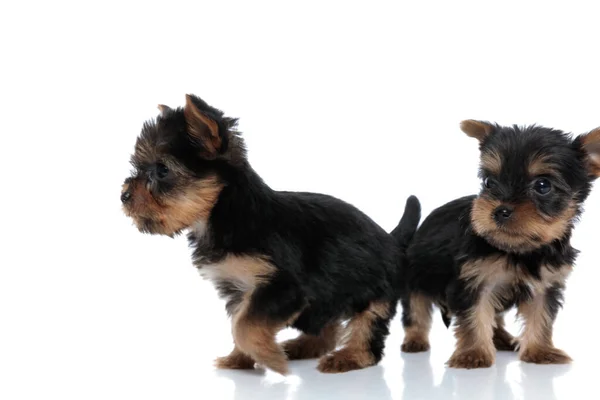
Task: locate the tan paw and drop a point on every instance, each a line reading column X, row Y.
column 549, row 355
column 414, row 346
column 345, row 360
column 280, row 366
column 235, row 361
column 470, row 359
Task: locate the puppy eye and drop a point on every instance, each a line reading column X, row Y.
column 542, row 186
column 489, row 183
column 161, row 170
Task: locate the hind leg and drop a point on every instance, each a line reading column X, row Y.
column 503, row 341
column 365, row 340
column 313, row 346
column 416, row 320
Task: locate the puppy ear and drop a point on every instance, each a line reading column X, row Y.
column 164, row 109
column 590, row 143
column 476, row 129
column 202, row 128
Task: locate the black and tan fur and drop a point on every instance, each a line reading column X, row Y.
column 279, row 259
column 478, row 256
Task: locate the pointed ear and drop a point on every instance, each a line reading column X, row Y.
column 590, row 143
column 164, row 109
column 476, row 129
column 202, row 128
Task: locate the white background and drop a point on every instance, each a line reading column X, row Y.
column 358, row 100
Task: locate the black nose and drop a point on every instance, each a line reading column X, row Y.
column 502, row 214
column 125, row 196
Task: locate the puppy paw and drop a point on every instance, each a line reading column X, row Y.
column 304, row 348
column 345, row 360
column 414, row 346
column 505, row 343
column 470, row 359
column 549, row 355
column 275, row 360
column 236, row 360
column 279, row 366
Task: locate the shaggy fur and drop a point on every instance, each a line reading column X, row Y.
column 478, row 256
column 279, row 259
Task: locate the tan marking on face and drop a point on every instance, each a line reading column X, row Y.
column 541, row 165
column 527, row 230
column 141, row 205
column 492, row 162
column 196, row 203
column 173, row 213
column 145, row 151
column 528, row 220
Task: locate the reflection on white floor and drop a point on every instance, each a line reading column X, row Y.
column 409, row 376
column 508, row 379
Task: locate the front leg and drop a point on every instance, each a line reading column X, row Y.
column 261, row 314
column 475, row 330
column 539, row 313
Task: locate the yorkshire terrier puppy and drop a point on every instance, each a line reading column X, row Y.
column 479, row 256
column 279, row 259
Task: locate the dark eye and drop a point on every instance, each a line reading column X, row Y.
column 489, row 183
column 161, row 171
column 542, row 186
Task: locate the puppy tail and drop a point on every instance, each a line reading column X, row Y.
column 409, row 222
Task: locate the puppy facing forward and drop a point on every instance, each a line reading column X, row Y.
column 478, row 256
column 279, row 259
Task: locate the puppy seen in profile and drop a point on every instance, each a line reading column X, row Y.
column 279, row 259
column 478, row 256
